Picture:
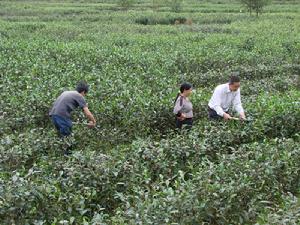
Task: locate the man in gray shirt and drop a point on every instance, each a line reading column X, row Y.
column 65, row 104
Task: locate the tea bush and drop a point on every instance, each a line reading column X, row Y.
column 134, row 169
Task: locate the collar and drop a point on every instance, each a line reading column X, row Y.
column 183, row 96
column 227, row 88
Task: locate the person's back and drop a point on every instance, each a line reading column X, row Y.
column 66, row 103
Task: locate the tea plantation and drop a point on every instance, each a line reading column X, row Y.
column 134, row 169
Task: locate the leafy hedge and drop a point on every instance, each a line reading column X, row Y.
column 162, row 21
column 220, row 173
column 134, row 169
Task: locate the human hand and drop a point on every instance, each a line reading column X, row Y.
column 226, row 116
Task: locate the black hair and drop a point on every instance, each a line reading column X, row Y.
column 184, row 86
column 82, row 87
column 234, row 78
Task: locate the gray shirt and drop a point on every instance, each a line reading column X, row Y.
column 66, row 103
column 183, row 105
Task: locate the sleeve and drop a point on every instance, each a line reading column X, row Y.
column 216, row 102
column 178, row 106
column 237, row 104
column 81, row 102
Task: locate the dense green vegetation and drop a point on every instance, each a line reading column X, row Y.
column 134, row 169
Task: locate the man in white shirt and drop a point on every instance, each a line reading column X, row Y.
column 224, row 97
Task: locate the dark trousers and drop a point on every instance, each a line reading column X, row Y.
column 63, row 125
column 212, row 114
column 187, row 122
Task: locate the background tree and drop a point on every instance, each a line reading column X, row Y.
column 255, row 5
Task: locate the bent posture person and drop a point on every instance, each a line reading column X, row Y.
column 224, row 97
column 65, row 104
column 183, row 108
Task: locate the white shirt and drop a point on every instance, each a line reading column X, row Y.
column 222, row 99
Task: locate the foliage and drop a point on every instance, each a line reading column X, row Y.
column 255, row 5
column 176, row 5
column 163, row 21
column 134, row 169
column 125, row 4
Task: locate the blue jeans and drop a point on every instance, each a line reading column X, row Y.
column 63, row 125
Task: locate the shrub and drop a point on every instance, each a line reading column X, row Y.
column 255, row 5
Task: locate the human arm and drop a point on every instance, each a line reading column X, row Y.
column 89, row 115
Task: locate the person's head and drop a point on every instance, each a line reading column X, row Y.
column 186, row 89
column 234, row 83
column 82, row 88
